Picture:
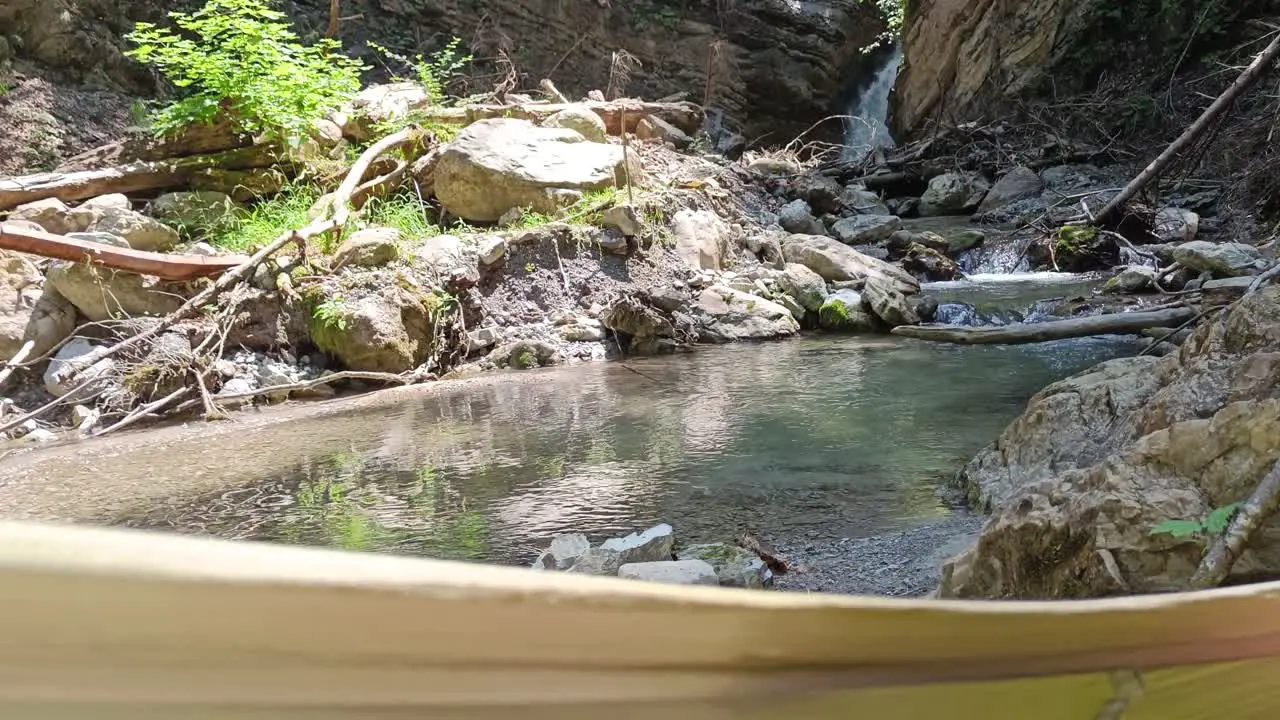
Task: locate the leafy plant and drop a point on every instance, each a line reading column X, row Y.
column 434, row 71
column 238, row 56
column 1215, row 523
column 332, row 312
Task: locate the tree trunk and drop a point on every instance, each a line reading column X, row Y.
column 1116, row 323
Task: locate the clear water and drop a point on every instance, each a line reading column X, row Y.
column 814, row 438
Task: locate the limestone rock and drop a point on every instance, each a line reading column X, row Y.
column 820, row 192
column 525, row 354
column 846, row 311
column 734, row 566
column 1019, row 183
column 730, row 315
column 581, row 120
column 388, row 330
column 866, row 229
column 702, row 239
column 370, row 247
column 103, row 294
column 379, row 104
column 928, row 264
column 953, row 194
column 959, row 241
column 57, row 377
column 1176, row 225
column 622, row 218
column 652, row 545
column 596, row 561
column 803, row 284
column 653, row 127
column 20, row 283
column 498, row 164
column 490, row 249
column 889, row 303
column 1131, row 279
column 859, row 200
column 583, row 330
column 673, row 572
column 100, row 237
column 140, row 231
column 563, row 552
column 796, row 217
column 51, row 214
column 1220, row 259
column 833, row 260
column 193, row 210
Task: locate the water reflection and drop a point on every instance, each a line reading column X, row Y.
column 814, row 438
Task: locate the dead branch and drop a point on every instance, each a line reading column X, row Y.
column 161, row 265
column 389, row 378
column 335, row 13
column 1169, row 336
column 1115, row 323
column 16, row 361
column 1222, row 555
column 143, row 411
column 1246, row 78
column 139, row 176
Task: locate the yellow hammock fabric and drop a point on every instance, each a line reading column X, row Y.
column 104, row 624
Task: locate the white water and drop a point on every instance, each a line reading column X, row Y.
column 866, row 127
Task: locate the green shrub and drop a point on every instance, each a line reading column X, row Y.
column 434, row 71
column 239, row 56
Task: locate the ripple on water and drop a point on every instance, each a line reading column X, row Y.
column 817, row 438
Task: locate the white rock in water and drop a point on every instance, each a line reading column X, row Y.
column 653, row 544
column 563, row 552
column 674, row 572
column 597, row 561
column 39, row 436
column 55, row 376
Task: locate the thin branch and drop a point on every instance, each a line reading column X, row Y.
column 1261, row 505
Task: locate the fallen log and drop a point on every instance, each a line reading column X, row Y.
column 135, row 177
column 1113, row 324
column 196, row 139
column 685, row 115
column 165, row 267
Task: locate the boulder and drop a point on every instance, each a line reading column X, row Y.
column 820, row 192
column 1131, row 279
column 833, row 260
column 88, row 213
column 846, row 311
column 581, row 120
column 20, row 283
column 854, row 199
column 194, row 210
column 866, row 229
column 563, row 552
column 888, row 303
column 490, row 249
column 1078, row 483
column 102, row 294
column 652, row 127
column 806, row 286
column 51, row 214
column 673, row 572
column 959, row 241
column 1019, row 183
column 582, row 330
column 57, row 377
column 622, row 218
column 370, row 247
column 1175, row 225
column 388, row 330
column 53, row 318
column 652, row 545
column 953, row 194
column 796, row 217
column 380, row 104
column 1220, row 259
column 702, row 239
column 498, row 164
column 928, row 264
column 140, row 231
column 734, row 566
column 729, row 315
column 596, row 561
column 525, row 354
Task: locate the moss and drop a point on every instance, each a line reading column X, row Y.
column 834, row 314
column 1073, row 239
column 524, row 359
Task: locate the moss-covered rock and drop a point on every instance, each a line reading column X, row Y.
column 844, row 311
column 387, row 330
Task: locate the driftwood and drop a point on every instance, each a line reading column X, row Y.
column 165, row 267
column 1255, row 511
column 1115, row 323
column 139, row 176
column 1250, row 75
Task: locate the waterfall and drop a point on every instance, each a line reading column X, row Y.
column 868, row 109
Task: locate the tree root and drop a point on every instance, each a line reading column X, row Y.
column 1222, row 555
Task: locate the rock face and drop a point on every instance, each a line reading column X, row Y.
column 730, row 315
column 498, row 164
column 1078, row 482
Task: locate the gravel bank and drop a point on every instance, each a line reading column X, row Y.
column 900, row 564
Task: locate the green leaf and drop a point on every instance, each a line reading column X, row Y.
column 1217, row 521
column 1178, row 528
